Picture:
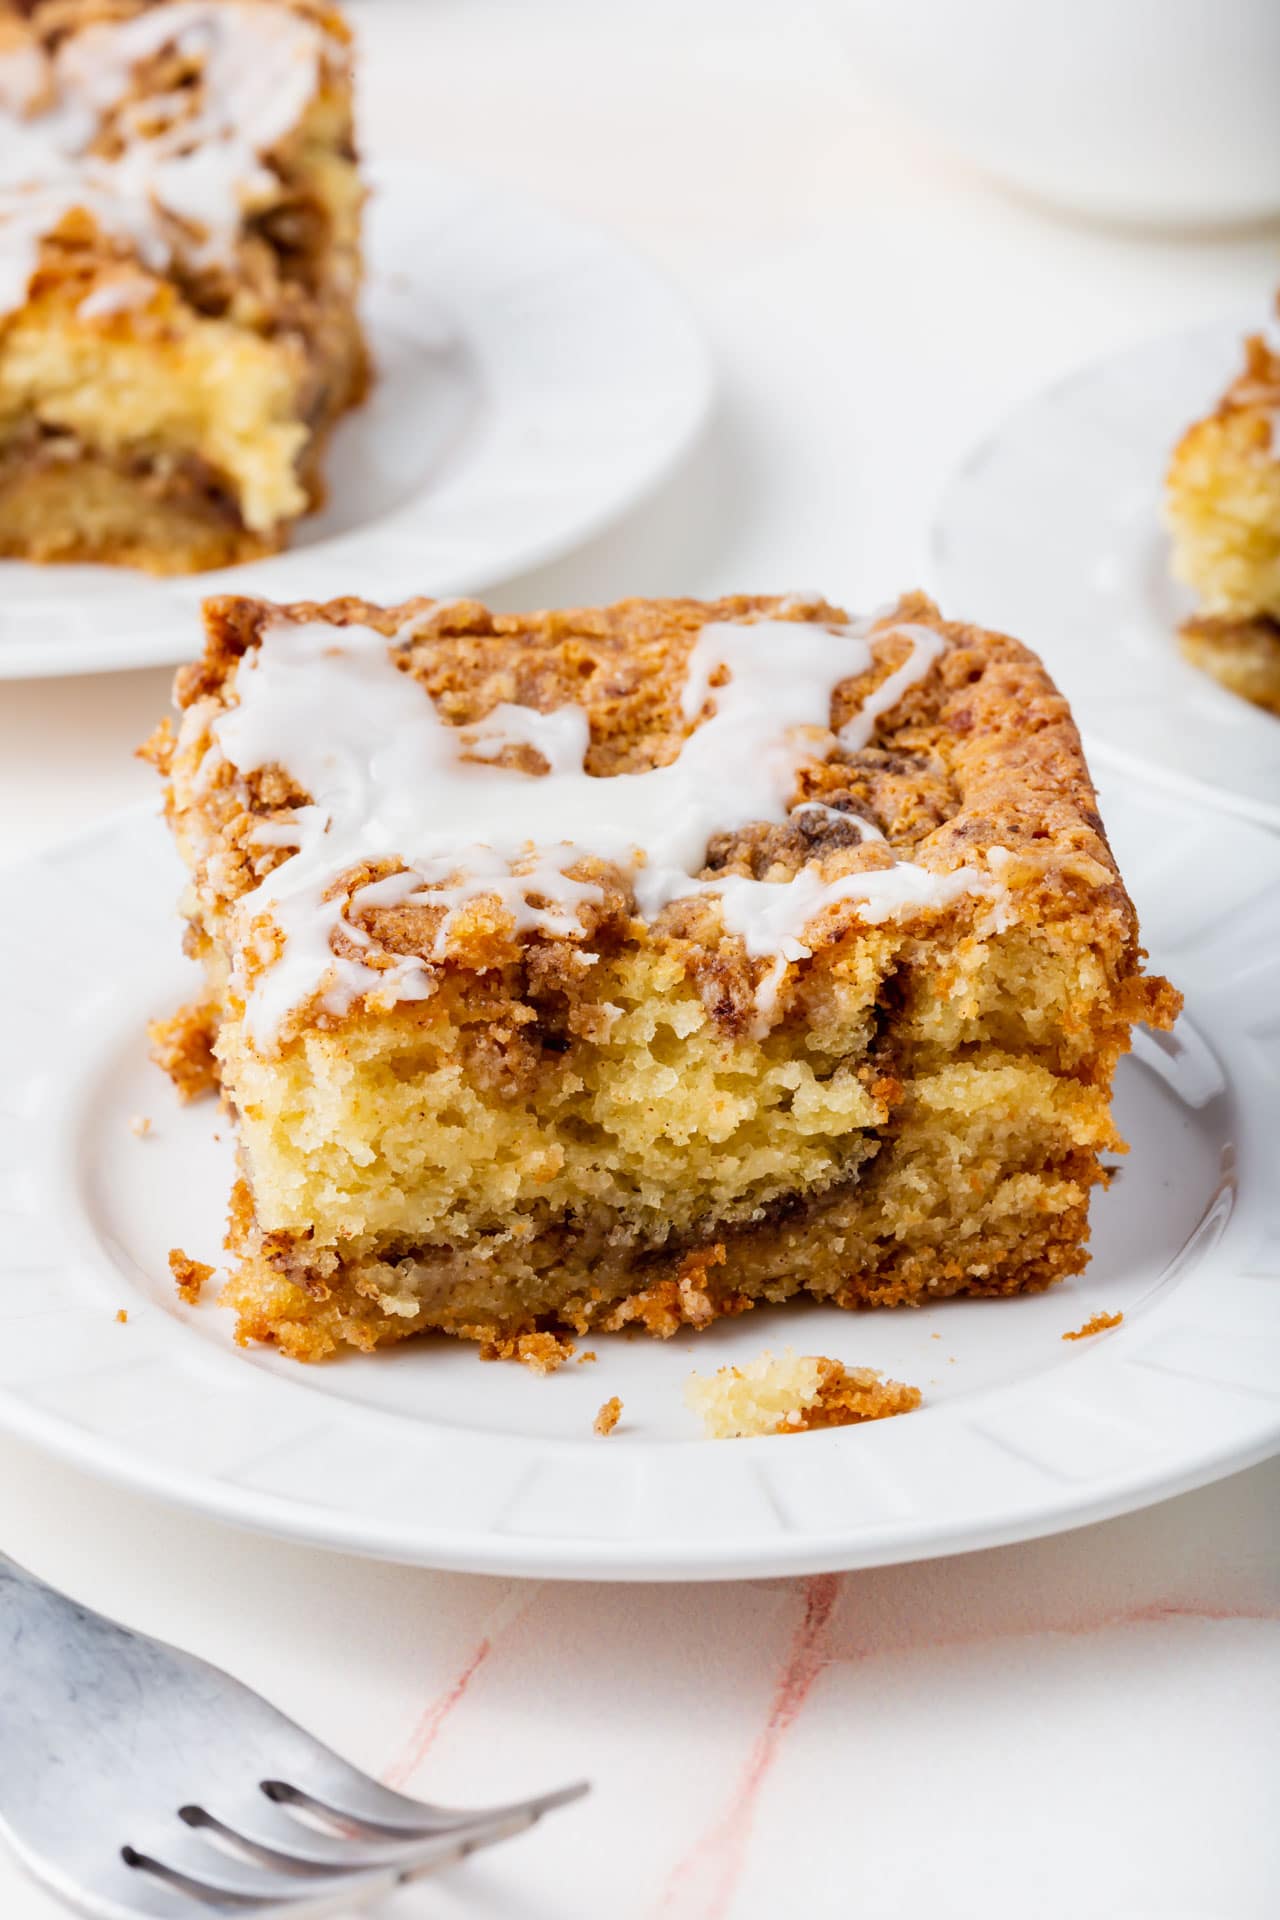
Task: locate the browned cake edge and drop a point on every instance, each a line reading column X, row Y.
column 311, row 1307
column 1244, row 655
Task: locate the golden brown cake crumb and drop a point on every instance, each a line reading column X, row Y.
column 122, row 1315
column 182, row 1047
column 793, row 1393
column 189, row 1274
column 847, row 1395
column 1096, row 1323
column 543, row 1352
column 140, row 1125
column 585, row 1359
column 609, row 1415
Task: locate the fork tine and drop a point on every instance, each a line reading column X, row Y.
column 274, row 1839
column 283, row 1843
column 80, row 1677
column 216, row 1881
column 381, row 1813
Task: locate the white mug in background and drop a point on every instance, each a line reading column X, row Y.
column 1163, row 112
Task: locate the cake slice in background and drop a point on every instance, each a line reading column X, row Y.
column 634, row 965
column 179, row 265
column 1223, row 509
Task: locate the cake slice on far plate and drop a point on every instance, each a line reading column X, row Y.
column 629, row 966
column 1223, row 508
column 179, row 265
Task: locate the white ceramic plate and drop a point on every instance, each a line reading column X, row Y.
column 425, row 1454
column 535, row 380
column 1052, row 531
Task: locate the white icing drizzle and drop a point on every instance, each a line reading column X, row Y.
column 190, row 163
column 23, row 72
column 926, row 646
column 115, row 296
column 389, row 781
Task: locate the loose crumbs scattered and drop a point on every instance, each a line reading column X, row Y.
column 1096, row 1323
column 140, row 1125
column 585, row 1358
column 190, row 1274
column 122, row 1315
column 610, row 1413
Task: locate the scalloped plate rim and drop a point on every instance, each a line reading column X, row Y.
column 125, row 1461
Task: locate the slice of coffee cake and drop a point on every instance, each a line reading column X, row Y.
column 1223, row 508
column 179, row 263
column 637, row 964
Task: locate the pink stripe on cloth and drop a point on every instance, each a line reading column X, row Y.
column 704, row 1882
column 423, row 1737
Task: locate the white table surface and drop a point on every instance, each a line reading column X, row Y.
column 1085, row 1726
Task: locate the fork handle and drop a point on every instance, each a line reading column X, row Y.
column 58, row 1660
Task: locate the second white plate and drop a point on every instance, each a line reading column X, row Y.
column 1052, row 531
column 424, row 1454
column 534, row 380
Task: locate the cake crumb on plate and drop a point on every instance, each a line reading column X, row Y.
column 1096, row 1323
column 609, row 1415
column 122, row 1315
column 140, row 1125
column 544, row 1352
column 182, row 1047
column 190, row 1274
column 794, row 1393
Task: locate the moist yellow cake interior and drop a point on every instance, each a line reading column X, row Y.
column 202, row 385
column 451, row 1126
column 1223, row 508
column 1224, row 501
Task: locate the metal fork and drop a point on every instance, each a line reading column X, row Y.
column 136, row 1780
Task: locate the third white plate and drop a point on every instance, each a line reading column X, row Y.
column 1052, row 531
